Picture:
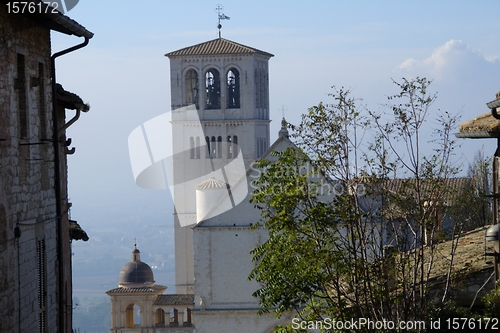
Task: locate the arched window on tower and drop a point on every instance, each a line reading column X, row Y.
column 212, row 86
column 235, row 146
column 233, row 88
column 229, row 146
column 197, row 148
column 207, row 140
column 191, row 86
column 213, row 150
column 219, row 147
column 191, row 147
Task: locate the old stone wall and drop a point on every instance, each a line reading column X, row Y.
column 29, row 275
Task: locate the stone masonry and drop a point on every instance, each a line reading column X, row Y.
column 35, row 293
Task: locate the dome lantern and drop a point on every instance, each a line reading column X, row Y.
column 136, row 273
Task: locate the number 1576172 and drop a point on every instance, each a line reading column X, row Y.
column 25, row 7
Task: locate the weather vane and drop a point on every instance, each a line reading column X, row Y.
column 220, row 15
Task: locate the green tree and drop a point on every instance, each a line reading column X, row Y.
column 354, row 212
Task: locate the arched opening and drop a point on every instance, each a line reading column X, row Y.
column 213, row 151
column 191, row 86
column 212, row 86
column 174, row 317
column 129, row 316
column 233, row 88
column 235, row 146
column 191, row 148
column 229, row 146
column 160, row 317
column 207, row 141
column 137, row 316
column 219, row 147
column 189, row 320
column 132, row 316
column 197, row 147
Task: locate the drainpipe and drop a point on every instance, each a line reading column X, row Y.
column 57, row 176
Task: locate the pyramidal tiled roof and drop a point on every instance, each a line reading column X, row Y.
column 217, row 46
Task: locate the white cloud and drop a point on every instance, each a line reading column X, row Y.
column 451, row 62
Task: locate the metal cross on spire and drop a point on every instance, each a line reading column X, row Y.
column 220, row 15
column 283, row 110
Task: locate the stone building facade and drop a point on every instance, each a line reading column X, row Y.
column 35, row 230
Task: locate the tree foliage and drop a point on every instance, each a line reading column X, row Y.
column 355, row 210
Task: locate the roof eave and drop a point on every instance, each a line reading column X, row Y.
column 477, row 135
column 55, row 21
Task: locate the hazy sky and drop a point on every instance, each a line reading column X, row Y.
column 361, row 45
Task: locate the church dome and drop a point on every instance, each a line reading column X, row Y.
column 136, row 273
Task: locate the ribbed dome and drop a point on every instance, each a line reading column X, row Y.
column 136, row 273
column 210, row 183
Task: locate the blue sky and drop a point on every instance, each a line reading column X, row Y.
column 361, row 45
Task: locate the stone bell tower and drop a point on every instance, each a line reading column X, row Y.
column 220, row 112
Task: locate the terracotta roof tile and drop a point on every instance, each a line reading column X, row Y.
column 152, row 289
column 217, row 46
column 174, row 299
column 482, row 123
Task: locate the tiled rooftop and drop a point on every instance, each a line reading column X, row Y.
column 152, row 289
column 482, row 123
column 219, row 46
column 174, row 299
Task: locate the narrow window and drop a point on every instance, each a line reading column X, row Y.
column 20, row 85
column 235, row 146
column 42, row 287
column 257, row 90
column 219, row 147
column 191, row 147
column 233, row 88
column 42, row 116
column 262, row 86
column 213, row 152
column 229, row 147
column 41, row 102
column 197, row 145
column 207, row 140
column 212, row 86
column 191, row 87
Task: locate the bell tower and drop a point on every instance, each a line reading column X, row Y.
column 220, row 112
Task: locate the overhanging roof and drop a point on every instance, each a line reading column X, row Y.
column 54, row 21
column 483, row 126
